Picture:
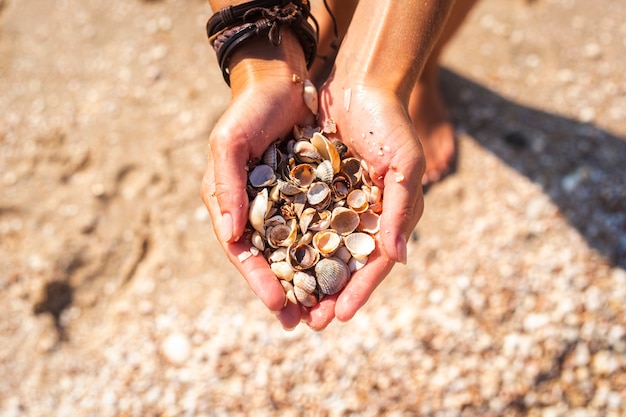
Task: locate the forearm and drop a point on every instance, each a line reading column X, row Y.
column 389, row 41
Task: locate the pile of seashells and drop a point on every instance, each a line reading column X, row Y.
column 313, row 213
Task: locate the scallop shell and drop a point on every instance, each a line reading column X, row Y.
column 309, row 94
column 258, row 210
column 332, row 275
column 327, row 150
column 344, row 220
column 326, row 242
column 360, row 245
column 319, row 195
column 302, row 256
column 305, row 281
column 304, row 298
column 262, row 176
column 357, row 201
column 302, row 175
column 370, row 222
column 282, row 270
column 324, row 171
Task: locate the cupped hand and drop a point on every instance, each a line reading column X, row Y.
column 374, row 124
column 266, row 103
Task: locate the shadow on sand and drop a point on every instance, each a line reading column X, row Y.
column 580, row 166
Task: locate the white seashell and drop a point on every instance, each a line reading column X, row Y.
column 344, row 220
column 305, row 281
column 304, row 151
column 302, row 257
column 278, row 255
column 344, row 254
column 327, row 242
column 282, row 270
column 327, row 150
column 360, row 245
column 319, row 195
column 258, row 210
column 257, row 240
column 310, row 96
column 312, row 219
column 291, row 296
column 306, row 238
column 370, row 222
column 357, row 201
column 324, row 171
column 332, row 275
column 305, row 298
column 356, row 264
column 262, row 176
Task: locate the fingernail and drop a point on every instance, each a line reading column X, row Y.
column 226, row 228
column 401, row 249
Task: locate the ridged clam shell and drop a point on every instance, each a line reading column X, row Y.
column 319, row 195
column 327, row 242
column 271, row 156
column 282, row 270
column 357, row 201
column 262, row 176
column 258, row 210
column 332, row 275
column 302, row 256
column 344, row 220
column 304, row 298
column 327, row 150
column 324, row 171
column 304, row 281
column 360, row 245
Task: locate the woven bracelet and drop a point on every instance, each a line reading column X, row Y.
column 232, row 28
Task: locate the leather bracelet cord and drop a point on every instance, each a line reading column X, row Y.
column 231, row 27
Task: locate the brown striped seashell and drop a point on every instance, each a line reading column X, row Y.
column 282, row 234
column 302, row 257
column 271, row 156
column 258, row 210
column 369, row 222
column 332, row 275
column 324, row 171
column 327, row 242
column 344, row 220
column 360, row 245
column 357, row 201
column 319, row 195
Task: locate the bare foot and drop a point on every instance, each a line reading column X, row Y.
column 431, row 120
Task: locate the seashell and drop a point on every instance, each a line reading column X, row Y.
column 310, row 96
column 304, row 298
column 257, row 240
column 288, row 211
column 339, row 145
column 319, row 195
column 282, row 270
column 299, row 202
column 262, row 176
column 302, row 175
column 271, row 156
column 327, row 242
column 359, row 244
column 344, row 220
column 311, row 219
column 282, row 234
column 324, row 171
column 356, row 264
column 305, row 281
column 287, row 188
column 302, row 257
column 327, row 150
column 370, row 222
column 357, row 201
column 274, row 221
column 258, row 210
column 278, row 255
column 352, row 167
column 304, row 151
column 332, row 275
column 291, row 296
column 306, row 238
column 343, row 253
column 341, row 186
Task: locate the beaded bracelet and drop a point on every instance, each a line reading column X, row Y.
column 234, row 25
